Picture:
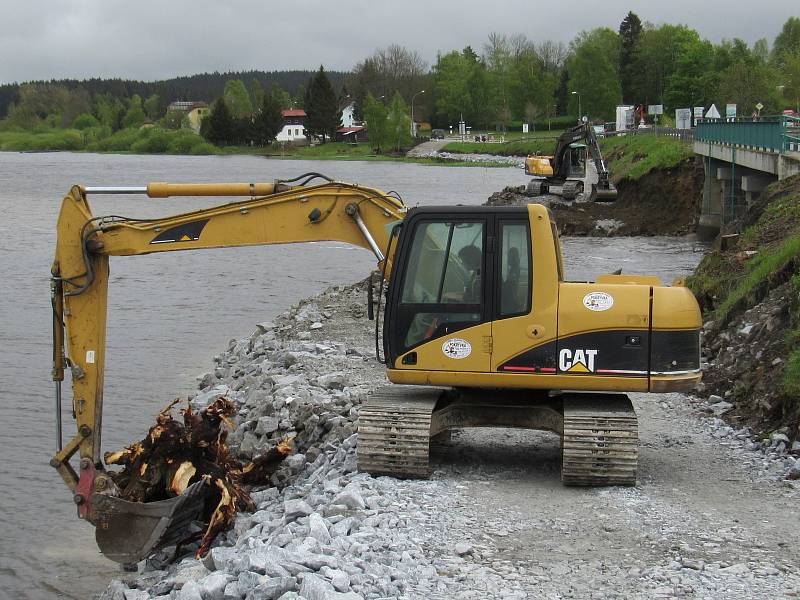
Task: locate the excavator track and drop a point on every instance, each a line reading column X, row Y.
column 600, row 443
column 394, row 431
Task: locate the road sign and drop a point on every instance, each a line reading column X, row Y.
column 730, row 111
column 683, row 118
column 655, row 109
column 759, row 106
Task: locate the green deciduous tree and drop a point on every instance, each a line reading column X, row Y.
column 109, row 110
column 322, row 107
column 174, row 119
column 787, row 42
column 694, row 81
column 659, row 54
column 375, row 117
column 790, row 81
column 746, row 85
column 85, row 121
column 152, row 107
column 461, row 88
column 256, row 93
column 134, row 116
column 532, row 87
column 594, row 73
column 237, row 98
column 280, row 96
column 398, row 123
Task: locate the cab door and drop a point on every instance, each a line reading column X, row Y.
column 438, row 312
column 524, row 330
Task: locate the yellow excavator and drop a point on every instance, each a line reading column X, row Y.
column 479, row 329
column 576, row 168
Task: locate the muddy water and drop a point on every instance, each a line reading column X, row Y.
column 169, row 314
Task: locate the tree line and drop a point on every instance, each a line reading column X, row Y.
column 511, row 79
column 517, row 79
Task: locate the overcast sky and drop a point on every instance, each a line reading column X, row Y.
column 144, row 39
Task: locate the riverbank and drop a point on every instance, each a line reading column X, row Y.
column 750, row 293
column 492, row 521
column 155, row 140
column 660, row 201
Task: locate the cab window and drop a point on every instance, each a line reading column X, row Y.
column 515, row 269
column 443, row 286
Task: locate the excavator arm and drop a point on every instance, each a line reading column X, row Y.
column 583, row 132
column 272, row 213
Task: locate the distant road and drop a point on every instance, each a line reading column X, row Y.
column 427, row 147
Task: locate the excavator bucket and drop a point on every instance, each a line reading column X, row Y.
column 127, row 532
column 608, row 194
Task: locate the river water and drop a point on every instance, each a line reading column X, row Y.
column 170, row 313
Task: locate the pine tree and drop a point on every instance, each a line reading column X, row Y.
column 220, row 129
column 630, row 30
column 322, row 108
column 268, row 121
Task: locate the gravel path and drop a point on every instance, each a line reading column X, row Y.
column 708, row 519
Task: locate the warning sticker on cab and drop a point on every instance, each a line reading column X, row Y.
column 598, row 301
column 456, row 348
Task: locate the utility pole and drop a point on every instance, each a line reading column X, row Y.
column 580, row 112
column 413, row 128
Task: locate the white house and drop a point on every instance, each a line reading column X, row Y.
column 293, row 125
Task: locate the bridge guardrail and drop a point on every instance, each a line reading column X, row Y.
column 766, row 134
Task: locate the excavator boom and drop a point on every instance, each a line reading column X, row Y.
column 272, row 213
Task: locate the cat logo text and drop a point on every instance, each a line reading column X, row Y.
column 576, row 361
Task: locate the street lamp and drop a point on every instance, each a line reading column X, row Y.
column 412, row 111
column 580, row 113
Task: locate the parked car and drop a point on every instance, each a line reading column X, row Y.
column 437, row 134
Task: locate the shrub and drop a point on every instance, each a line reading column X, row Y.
column 85, row 121
column 151, row 141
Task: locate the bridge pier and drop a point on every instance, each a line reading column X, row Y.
column 753, row 185
column 741, row 157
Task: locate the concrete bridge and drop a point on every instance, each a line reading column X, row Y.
column 741, row 157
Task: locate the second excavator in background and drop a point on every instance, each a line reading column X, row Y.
column 575, row 171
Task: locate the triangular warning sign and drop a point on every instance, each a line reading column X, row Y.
column 578, row 368
column 185, row 238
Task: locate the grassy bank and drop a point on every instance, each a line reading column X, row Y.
column 631, row 157
column 154, row 140
column 149, row 140
column 765, row 256
column 628, row 157
column 539, row 142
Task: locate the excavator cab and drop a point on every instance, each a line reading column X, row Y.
column 456, row 272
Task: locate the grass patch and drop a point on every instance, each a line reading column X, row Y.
column 53, row 140
column 632, row 156
column 759, row 270
column 791, row 374
column 779, row 217
column 148, row 140
column 520, row 147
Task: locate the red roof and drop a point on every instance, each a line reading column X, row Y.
column 293, row 112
